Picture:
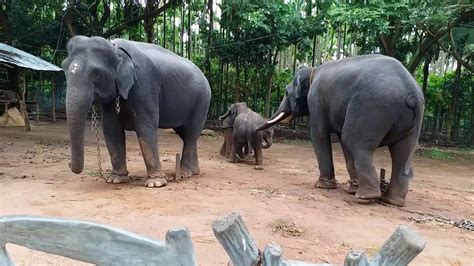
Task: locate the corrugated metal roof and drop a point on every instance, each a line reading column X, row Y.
column 14, row 56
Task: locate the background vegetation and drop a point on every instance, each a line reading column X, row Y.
column 249, row 49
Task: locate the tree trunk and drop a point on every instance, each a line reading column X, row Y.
column 5, row 34
column 426, row 73
column 237, row 81
column 181, row 35
column 174, row 28
column 294, row 60
column 471, row 140
column 164, row 25
column 209, row 36
column 189, row 31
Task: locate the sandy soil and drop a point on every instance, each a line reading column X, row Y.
column 35, row 180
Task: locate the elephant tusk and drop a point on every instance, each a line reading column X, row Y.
column 276, row 119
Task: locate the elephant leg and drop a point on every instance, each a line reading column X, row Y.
column 222, row 150
column 354, row 181
column 361, row 135
column 189, row 159
column 257, row 147
column 321, row 140
column 233, row 151
column 402, row 153
column 148, row 140
column 114, row 135
column 228, row 141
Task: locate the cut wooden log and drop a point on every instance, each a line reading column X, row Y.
column 401, row 248
column 271, row 255
column 94, row 243
column 356, row 258
column 236, row 240
column 177, row 173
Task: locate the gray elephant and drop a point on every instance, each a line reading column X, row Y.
column 244, row 121
column 153, row 88
column 368, row 101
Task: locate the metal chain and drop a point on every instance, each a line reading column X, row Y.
column 117, row 104
column 95, row 129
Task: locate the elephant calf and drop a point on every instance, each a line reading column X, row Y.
column 239, row 124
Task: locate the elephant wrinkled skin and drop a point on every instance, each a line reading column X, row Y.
column 368, row 101
column 240, row 122
column 155, row 89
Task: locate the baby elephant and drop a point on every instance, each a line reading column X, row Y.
column 244, row 137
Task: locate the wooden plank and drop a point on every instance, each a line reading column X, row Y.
column 356, row 258
column 53, row 99
column 236, row 240
column 401, row 248
column 94, row 243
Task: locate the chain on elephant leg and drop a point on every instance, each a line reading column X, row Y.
column 326, row 182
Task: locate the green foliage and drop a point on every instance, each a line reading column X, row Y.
column 436, row 153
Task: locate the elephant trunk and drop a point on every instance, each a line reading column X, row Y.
column 268, row 142
column 77, row 107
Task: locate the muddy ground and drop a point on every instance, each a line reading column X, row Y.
column 318, row 225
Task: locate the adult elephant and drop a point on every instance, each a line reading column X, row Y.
column 368, row 101
column 153, row 88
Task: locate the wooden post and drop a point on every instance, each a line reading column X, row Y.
column 23, row 109
column 6, row 113
column 177, row 173
column 236, row 240
column 37, row 112
column 401, row 248
column 271, row 255
column 53, row 99
column 355, row 258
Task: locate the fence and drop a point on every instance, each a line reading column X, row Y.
column 103, row 245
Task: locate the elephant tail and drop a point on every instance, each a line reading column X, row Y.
column 246, row 151
column 416, row 102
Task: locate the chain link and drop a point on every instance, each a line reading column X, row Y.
column 117, row 104
column 95, row 129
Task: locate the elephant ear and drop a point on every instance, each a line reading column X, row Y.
column 125, row 76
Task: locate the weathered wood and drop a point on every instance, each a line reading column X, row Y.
column 236, row 240
column 37, row 112
column 24, row 112
column 53, row 99
column 94, row 243
column 401, row 248
column 356, row 258
column 271, row 255
column 177, row 173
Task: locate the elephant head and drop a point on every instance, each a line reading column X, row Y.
column 97, row 71
column 227, row 119
column 294, row 101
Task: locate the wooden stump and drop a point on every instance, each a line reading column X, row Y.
column 401, row 248
column 355, row 258
column 236, row 240
column 177, row 173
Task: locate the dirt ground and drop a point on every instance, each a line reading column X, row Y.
column 322, row 225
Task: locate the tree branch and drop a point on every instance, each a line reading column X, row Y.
column 459, row 58
column 130, row 22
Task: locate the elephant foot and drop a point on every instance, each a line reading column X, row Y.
column 393, row 200
column 117, row 179
column 326, row 183
column 157, row 179
column 185, row 173
column 232, row 160
column 353, row 186
column 368, row 193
